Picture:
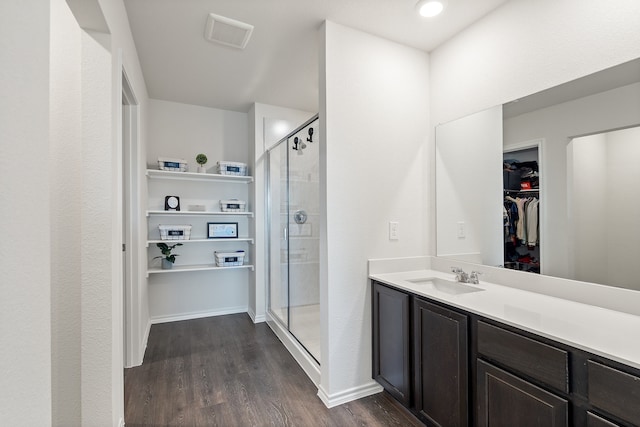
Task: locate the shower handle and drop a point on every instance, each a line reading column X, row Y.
column 300, row 217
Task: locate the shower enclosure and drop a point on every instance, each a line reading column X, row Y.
column 294, row 207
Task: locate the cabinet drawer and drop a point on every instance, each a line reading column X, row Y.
column 594, row 420
column 532, row 358
column 614, row 391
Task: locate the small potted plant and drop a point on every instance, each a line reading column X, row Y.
column 201, row 159
column 167, row 257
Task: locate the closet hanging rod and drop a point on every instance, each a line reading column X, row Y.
column 532, row 190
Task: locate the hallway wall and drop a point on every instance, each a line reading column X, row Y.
column 25, row 310
column 61, row 311
column 374, row 120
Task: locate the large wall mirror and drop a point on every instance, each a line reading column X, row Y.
column 549, row 183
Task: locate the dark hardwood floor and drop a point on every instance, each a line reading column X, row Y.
column 226, row 371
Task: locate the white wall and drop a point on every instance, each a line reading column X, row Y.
column 469, row 187
column 182, row 131
column 66, row 202
column 374, row 122
column 587, row 207
column 61, row 277
column 623, row 209
column 522, row 48
column 604, row 215
column 25, row 306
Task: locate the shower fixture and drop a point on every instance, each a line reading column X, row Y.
column 298, row 145
column 310, row 137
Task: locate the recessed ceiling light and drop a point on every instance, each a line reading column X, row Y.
column 430, row 8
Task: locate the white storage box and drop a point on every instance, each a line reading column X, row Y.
column 233, row 205
column 175, row 232
column 232, row 168
column 229, row 259
column 178, row 165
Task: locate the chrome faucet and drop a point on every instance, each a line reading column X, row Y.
column 463, row 277
column 473, row 277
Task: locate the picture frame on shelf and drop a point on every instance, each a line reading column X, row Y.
column 222, row 230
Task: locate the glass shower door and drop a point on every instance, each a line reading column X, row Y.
column 278, row 242
column 294, row 206
column 303, row 223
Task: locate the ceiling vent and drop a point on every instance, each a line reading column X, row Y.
column 227, row 31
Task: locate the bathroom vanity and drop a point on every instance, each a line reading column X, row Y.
column 489, row 355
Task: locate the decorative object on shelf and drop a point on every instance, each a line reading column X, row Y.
column 232, row 168
column 233, row 205
column 229, row 259
column 196, row 208
column 222, row 230
column 175, row 232
column 171, row 203
column 176, row 165
column 167, row 257
column 201, row 159
column 310, row 137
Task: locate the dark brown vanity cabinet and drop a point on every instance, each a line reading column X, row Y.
column 391, row 340
column 531, row 392
column 420, row 356
column 441, row 382
column 455, row 368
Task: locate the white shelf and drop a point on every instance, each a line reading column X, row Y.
column 183, row 179
column 196, row 213
column 200, row 267
column 192, row 176
column 239, row 239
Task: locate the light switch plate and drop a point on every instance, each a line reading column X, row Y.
column 393, row 230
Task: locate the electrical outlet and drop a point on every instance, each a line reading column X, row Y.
column 393, row 230
column 461, row 232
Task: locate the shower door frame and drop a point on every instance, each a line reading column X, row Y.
column 269, row 205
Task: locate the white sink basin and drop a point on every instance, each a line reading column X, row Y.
column 446, row 286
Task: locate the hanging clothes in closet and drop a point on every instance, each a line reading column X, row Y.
column 522, row 230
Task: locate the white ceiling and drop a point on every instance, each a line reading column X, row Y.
column 280, row 64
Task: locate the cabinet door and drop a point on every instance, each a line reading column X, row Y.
column 614, row 391
column 391, row 357
column 505, row 400
column 441, row 380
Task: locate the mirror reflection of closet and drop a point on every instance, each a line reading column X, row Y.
column 521, row 207
column 603, row 178
column 601, row 102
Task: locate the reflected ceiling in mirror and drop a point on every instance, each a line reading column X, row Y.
column 470, row 215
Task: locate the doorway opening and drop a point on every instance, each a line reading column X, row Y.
column 130, row 185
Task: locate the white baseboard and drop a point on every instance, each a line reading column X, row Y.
column 306, row 362
column 349, row 395
column 256, row 319
column 198, row 315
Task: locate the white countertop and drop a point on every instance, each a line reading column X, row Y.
column 608, row 333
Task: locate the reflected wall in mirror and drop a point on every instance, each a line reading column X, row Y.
column 469, row 185
column 603, row 175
